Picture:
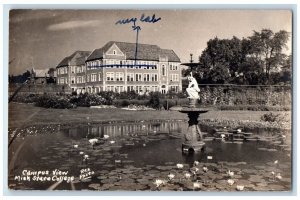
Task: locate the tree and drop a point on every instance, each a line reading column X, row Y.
column 266, row 47
column 221, row 59
column 286, row 74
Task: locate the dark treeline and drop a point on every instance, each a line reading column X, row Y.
column 258, row 59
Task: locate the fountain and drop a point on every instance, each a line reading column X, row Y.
column 193, row 136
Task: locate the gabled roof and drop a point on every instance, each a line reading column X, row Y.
column 145, row 52
column 77, row 58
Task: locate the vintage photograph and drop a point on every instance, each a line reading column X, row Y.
column 150, row 100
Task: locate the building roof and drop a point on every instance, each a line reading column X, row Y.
column 144, row 52
column 40, row 72
column 77, row 58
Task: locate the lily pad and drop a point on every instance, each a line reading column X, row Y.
column 259, row 167
column 256, row 178
column 86, row 180
column 262, row 184
column 272, row 150
column 109, row 180
column 95, row 186
column 276, row 187
column 143, row 181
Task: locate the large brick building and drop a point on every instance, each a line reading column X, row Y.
column 117, row 66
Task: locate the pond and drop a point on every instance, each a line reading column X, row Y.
column 147, row 156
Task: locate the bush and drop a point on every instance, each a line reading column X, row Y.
column 121, row 103
column 53, row 101
column 109, row 96
column 127, row 95
column 168, row 103
column 87, row 100
column 255, row 108
column 270, row 117
column 26, row 98
column 125, row 103
column 154, row 101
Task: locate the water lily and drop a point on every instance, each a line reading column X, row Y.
column 171, row 176
column 81, row 152
column 239, row 130
column 144, row 145
column 75, row 146
column 197, row 185
column 205, row 169
column 112, row 142
column 278, row 176
column 230, row 173
column 194, row 170
column 276, row 162
column 209, row 157
column 187, row 175
column 159, row 182
column 179, row 166
column 230, row 181
column 117, row 161
column 86, row 156
column 240, row 187
column 196, row 163
column 93, row 141
column 273, row 173
column 222, row 136
column 105, row 136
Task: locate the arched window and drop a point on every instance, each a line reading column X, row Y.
column 163, row 70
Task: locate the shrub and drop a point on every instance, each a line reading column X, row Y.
column 26, row 98
column 53, row 101
column 154, row 101
column 109, row 96
column 121, row 103
column 254, row 107
column 270, row 117
column 128, row 95
column 87, row 100
column 168, row 103
column 125, row 103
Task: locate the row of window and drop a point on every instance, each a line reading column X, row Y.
column 127, row 67
column 119, row 62
column 74, row 69
column 138, row 89
column 62, row 70
column 117, row 76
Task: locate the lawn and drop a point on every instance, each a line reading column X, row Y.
column 21, row 115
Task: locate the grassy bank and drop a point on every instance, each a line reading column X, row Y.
column 21, row 115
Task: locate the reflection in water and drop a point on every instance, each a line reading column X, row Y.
column 125, row 129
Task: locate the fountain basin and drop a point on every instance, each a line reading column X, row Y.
column 193, row 136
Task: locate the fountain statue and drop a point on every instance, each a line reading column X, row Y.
column 192, row 90
column 193, row 137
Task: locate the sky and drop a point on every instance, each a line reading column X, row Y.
column 42, row 38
